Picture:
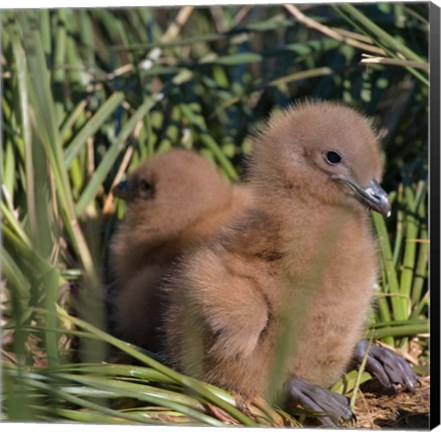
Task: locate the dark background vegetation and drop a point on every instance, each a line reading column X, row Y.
column 87, row 94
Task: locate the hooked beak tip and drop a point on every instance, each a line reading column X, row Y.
column 377, row 198
column 374, row 196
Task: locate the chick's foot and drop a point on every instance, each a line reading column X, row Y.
column 333, row 406
column 389, row 368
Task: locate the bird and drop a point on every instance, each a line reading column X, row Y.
column 174, row 200
column 275, row 304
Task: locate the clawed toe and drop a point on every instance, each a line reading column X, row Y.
column 389, row 368
column 332, row 408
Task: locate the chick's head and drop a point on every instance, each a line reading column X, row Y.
column 169, row 192
column 323, row 150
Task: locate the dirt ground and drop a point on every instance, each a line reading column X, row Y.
column 400, row 411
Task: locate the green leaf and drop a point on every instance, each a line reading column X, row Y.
column 92, row 126
column 398, row 304
column 112, row 154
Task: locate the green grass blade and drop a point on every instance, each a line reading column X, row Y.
column 92, row 126
column 418, row 328
column 111, row 155
column 8, row 169
column 84, row 403
column 398, row 305
column 29, row 164
column 50, row 284
column 45, row 118
column 390, row 41
column 17, row 281
column 59, row 74
column 412, row 227
column 89, row 416
column 198, row 123
column 190, row 383
column 399, row 232
column 153, row 395
column 14, row 224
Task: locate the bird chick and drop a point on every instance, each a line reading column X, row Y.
column 283, row 291
column 174, row 201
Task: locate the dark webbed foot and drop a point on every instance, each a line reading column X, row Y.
column 388, row 367
column 315, row 398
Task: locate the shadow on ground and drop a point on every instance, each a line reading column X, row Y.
column 402, row 411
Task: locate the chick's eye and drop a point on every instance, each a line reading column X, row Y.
column 144, row 186
column 333, row 158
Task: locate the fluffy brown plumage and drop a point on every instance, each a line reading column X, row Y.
column 297, row 267
column 174, row 201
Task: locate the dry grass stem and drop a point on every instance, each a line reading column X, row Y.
column 309, row 22
column 394, row 62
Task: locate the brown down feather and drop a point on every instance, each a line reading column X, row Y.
column 284, row 288
column 187, row 200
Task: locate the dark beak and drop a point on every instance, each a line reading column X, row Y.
column 122, row 191
column 374, row 196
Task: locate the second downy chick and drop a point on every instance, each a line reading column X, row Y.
column 175, row 201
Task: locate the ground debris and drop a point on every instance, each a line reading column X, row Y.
column 401, row 411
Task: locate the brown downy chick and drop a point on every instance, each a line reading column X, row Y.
column 297, row 268
column 174, row 201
